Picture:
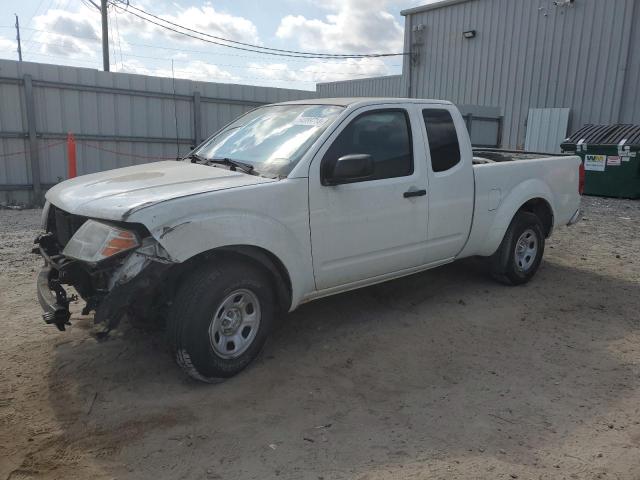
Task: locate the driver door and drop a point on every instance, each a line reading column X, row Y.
column 373, row 226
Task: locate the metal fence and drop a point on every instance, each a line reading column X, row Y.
column 117, row 119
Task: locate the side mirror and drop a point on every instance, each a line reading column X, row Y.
column 351, row 168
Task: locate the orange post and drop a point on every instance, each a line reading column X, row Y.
column 71, row 156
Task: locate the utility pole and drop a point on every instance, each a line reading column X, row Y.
column 18, row 38
column 102, row 8
column 105, row 36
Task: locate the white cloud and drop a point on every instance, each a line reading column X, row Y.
column 323, row 71
column 204, row 72
column 206, row 19
column 78, row 33
column 195, row 70
column 353, row 26
column 8, row 48
column 67, row 34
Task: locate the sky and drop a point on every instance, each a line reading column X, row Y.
column 68, row 32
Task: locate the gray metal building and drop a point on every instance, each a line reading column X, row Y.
column 521, row 56
column 388, row 86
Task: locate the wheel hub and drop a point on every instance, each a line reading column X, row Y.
column 235, row 324
column 231, row 321
column 526, row 250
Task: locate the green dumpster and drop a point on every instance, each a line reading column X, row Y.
column 611, row 157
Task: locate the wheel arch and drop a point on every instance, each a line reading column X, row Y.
column 532, row 196
column 257, row 256
column 542, row 209
column 536, row 205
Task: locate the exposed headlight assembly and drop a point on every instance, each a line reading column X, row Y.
column 95, row 241
column 45, row 215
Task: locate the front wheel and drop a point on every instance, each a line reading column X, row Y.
column 220, row 318
column 517, row 259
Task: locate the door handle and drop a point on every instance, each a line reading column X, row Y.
column 415, row 193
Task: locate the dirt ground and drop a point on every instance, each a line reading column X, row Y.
column 444, row 374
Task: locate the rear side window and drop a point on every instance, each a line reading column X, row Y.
column 443, row 139
column 383, row 134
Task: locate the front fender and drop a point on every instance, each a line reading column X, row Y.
column 516, row 198
column 272, row 216
column 193, row 236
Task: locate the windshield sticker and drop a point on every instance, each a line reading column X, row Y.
column 595, row 163
column 310, row 121
column 613, row 161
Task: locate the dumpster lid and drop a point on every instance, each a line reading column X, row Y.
column 605, row 135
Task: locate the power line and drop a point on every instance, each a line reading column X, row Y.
column 113, row 45
column 175, row 49
column 115, row 14
column 310, row 54
column 256, row 67
column 88, row 4
column 35, row 11
column 34, row 15
column 228, row 65
column 191, row 73
column 253, row 49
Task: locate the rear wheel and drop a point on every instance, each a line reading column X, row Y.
column 517, row 259
column 220, row 319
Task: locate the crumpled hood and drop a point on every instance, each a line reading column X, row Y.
column 115, row 194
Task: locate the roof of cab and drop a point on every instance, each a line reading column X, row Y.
column 360, row 101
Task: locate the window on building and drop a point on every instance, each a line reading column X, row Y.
column 443, row 139
column 383, row 134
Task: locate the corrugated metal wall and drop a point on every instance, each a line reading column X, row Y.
column 546, row 129
column 531, row 54
column 631, row 103
column 118, row 119
column 391, row 86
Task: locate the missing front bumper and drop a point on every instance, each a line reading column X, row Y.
column 53, row 299
column 112, row 291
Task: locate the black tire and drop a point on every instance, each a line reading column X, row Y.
column 192, row 314
column 506, row 266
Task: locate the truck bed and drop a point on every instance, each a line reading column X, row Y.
column 503, row 182
column 483, row 156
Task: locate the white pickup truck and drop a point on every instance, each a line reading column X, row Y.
column 289, row 203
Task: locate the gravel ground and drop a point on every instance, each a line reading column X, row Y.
column 444, row 374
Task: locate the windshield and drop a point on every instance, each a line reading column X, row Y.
column 272, row 139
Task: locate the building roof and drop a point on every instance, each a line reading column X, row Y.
column 431, row 6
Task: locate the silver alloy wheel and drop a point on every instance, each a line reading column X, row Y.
column 235, row 324
column 526, row 250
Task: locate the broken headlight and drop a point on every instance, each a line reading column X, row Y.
column 45, row 215
column 95, row 241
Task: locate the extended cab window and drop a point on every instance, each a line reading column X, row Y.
column 443, row 139
column 383, row 134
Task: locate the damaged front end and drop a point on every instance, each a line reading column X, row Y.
column 117, row 268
